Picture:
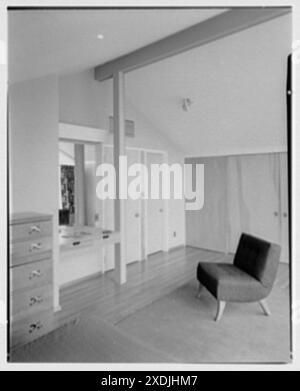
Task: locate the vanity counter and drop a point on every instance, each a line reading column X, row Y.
column 83, row 236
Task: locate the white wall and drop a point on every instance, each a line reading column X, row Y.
column 85, row 101
column 33, row 150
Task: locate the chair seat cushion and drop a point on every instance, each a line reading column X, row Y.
column 228, row 283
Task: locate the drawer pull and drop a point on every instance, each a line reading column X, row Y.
column 35, row 274
column 35, row 326
column 34, row 228
column 35, row 300
column 35, row 246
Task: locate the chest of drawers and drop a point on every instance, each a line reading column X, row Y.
column 31, row 277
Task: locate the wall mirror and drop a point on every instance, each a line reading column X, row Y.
column 77, row 185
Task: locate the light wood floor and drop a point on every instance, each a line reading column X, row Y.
column 107, row 333
column 147, row 281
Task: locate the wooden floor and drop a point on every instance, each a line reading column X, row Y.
column 147, row 281
column 107, row 333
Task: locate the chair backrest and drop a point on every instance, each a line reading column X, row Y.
column 258, row 258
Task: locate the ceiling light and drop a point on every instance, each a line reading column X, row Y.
column 100, row 36
column 186, row 104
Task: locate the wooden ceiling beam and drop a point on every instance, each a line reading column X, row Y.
column 222, row 25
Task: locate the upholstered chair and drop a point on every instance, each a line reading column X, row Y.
column 249, row 279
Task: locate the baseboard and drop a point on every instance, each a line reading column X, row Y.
column 207, row 249
column 283, row 261
column 177, row 247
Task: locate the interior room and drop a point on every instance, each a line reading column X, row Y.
column 149, row 280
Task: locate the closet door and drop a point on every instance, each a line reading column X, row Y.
column 154, row 211
column 254, row 197
column 284, row 207
column 246, row 193
column 108, row 215
column 133, row 217
column 207, row 228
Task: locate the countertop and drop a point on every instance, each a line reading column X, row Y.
column 72, row 237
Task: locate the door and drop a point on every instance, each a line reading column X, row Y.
column 154, row 210
column 108, row 215
column 259, row 196
column 254, row 197
column 246, row 193
column 206, row 228
column 132, row 216
column 284, row 210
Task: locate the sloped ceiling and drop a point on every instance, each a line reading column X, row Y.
column 236, row 84
column 43, row 42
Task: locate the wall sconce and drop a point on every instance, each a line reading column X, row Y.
column 186, row 104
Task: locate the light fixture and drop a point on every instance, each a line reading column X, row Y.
column 186, row 104
column 100, row 36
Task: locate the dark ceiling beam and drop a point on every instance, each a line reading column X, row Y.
column 220, row 26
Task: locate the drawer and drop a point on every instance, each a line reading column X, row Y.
column 31, row 275
column 22, row 252
column 31, row 301
column 110, row 238
column 33, row 327
column 30, row 231
column 30, row 258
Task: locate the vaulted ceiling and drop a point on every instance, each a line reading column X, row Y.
column 45, row 42
column 236, row 84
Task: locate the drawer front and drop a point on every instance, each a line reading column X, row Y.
column 30, row 248
column 31, row 275
column 31, row 301
column 28, row 329
column 30, row 231
column 30, row 258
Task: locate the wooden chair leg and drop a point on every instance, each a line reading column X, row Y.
column 200, row 290
column 265, row 307
column 220, row 311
